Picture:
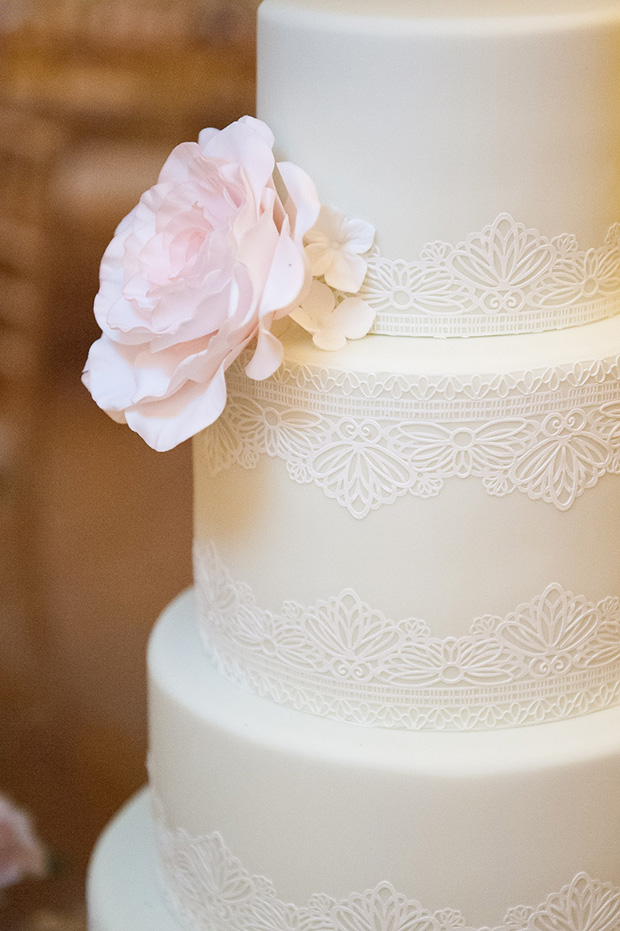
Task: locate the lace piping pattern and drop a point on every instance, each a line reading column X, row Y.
column 557, row 656
column 209, row 889
column 368, row 439
column 507, row 278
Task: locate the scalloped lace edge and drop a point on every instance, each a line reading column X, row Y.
column 504, row 279
column 367, row 440
column 209, row 889
column 554, row 657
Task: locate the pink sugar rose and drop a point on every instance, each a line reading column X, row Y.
column 204, row 264
column 21, row 853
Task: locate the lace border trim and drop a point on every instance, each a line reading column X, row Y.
column 505, row 279
column 209, row 889
column 555, row 657
column 368, row 439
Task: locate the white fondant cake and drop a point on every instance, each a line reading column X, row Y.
column 123, row 891
column 365, row 828
column 404, row 714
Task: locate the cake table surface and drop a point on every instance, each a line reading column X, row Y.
column 123, row 890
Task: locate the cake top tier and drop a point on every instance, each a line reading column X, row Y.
column 434, row 10
column 481, row 139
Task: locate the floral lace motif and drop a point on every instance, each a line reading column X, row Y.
column 504, row 279
column 210, row 890
column 555, row 657
column 367, row 439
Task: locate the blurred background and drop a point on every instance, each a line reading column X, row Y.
column 95, row 527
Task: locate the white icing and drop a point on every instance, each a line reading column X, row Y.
column 514, row 440
column 554, row 657
column 504, row 279
column 368, row 440
column 520, row 416
column 475, row 822
column 210, row 890
column 449, row 114
column 123, row 891
column 456, row 12
column 208, row 885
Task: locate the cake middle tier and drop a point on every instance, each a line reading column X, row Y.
column 416, row 533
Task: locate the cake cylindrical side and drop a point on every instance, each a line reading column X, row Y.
column 419, row 535
column 476, row 822
column 430, row 126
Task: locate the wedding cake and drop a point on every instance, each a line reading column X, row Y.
column 392, row 701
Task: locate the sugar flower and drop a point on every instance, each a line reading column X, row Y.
column 207, row 260
column 21, row 853
column 331, row 322
column 335, row 246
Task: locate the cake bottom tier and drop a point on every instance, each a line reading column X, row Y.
column 270, row 819
column 123, row 891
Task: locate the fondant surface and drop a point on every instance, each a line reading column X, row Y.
column 445, row 118
column 123, row 890
column 461, row 551
column 479, row 822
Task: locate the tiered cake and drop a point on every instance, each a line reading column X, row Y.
column 405, row 712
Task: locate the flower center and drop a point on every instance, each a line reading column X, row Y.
column 463, row 438
column 401, row 297
column 451, row 673
column 271, row 417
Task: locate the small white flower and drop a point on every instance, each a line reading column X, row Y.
column 332, row 323
column 335, row 246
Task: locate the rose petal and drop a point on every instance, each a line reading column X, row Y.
column 205, row 262
column 303, row 206
column 248, row 143
column 256, row 246
column 166, row 423
column 110, row 374
column 178, row 165
column 267, row 356
column 206, row 135
column 286, row 277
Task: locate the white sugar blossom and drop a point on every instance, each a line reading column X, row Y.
column 331, row 322
column 335, row 246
